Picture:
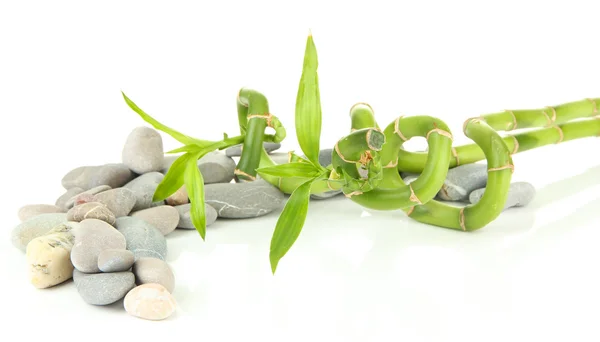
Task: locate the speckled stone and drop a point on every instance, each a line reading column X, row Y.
column 236, row 151
column 61, row 202
column 143, row 150
column 519, row 194
column 462, row 180
column 154, row 271
column 32, row 210
column 48, row 257
column 119, row 201
column 91, row 210
column 243, row 200
column 164, row 217
column 37, row 226
column 93, row 236
column 143, row 239
column 185, row 220
column 150, row 301
column 103, row 288
column 114, row 175
column 86, row 196
column 143, row 188
column 115, row 260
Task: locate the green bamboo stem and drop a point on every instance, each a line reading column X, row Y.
column 392, row 193
column 362, row 116
column 415, row 162
column 474, row 216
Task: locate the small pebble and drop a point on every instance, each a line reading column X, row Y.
column 114, row 175
column 185, row 220
column 236, row 151
column 103, row 288
column 243, row 200
column 33, row 210
column 180, row 197
column 86, row 196
column 519, row 194
column 115, row 260
column 143, row 188
column 461, row 180
column 35, row 227
column 48, row 257
column 91, row 210
column 154, row 271
column 216, row 167
column 119, row 201
column 61, row 202
column 150, row 301
column 91, row 238
column 164, row 217
column 143, row 239
column 143, row 150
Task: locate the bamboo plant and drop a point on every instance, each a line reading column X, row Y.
column 368, row 162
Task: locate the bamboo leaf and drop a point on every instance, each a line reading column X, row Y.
column 173, row 180
column 184, row 139
column 308, row 105
column 290, row 223
column 305, row 170
column 186, row 148
column 194, row 184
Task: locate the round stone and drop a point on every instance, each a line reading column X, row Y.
column 152, row 270
column 143, row 150
column 37, row 226
column 91, row 210
column 164, row 217
column 143, row 239
column 115, row 260
column 103, row 288
column 119, row 201
column 114, row 175
column 61, row 202
column 86, row 196
column 91, row 238
column 143, row 188
column 243, row 200
column 180, row 197
column 150, row 301
column 33, row 210
column 185, row 220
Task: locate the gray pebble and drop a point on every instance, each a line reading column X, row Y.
column 32, row 210
column 37, row 226
column 143, row 239
column 91, row 210
column 236, row 151
column 86, row 196
column 114, row 175
column 164, row 217
column 216, row 167
column 243, row 200
column 185, row 220
column 153, row 271
column 92, row 236
column 119, row 201
column 61, row 202
column 143, row 150
column 461, row 180
column 115, row 260
column 143, row 188
column 103, row 288
column 79, row 177
column 519, row 194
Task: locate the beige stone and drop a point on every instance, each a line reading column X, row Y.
column 33, row 210
column 150, row 301
column 91, row 210
column 180, row 196
column 48, row 257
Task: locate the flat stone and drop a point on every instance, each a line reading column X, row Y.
column 150, row 301
column 115, row 260
column 103, row 288
column 462, row 180
column 215, row 167
column 185, row 220
column 143, row 239
column 86, row 196
column 91, row 210
column 154, row 271
column 114, row 175
column 32, row 210
column 48, row 257
column 79, row 177
column 119, row 201
column 179, row 197
column 91, row 238
column 164, row 217
column 143, row 188
column 236, row 151
column 143, row 150
column 519, row 194
column 35, row 227
column 243, row 200
column 61, row 202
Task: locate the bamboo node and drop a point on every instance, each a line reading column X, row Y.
column 514, row 123
column 397, row 128
column 469, row 120
column 503, row 167
column 461, row 219
column 410, row 211
column 368, row 139
column 361, row 103
column 595, row 108
column 440, row 132
column 329, row 185
column 413, row 197
column 553, row 113
column 549, row 121
column 516, row 147
column 245, row 104
column 391, row 164
column 242, row 173
column 268, row 117
column 455, row 154
column 337, row 150
column 561, row 135
column 353, row 193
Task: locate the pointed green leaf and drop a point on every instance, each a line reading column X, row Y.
column 186, row 148
column 308, row 105
column 173, row 180
column 290, row 170
column 290, row 223
column 184, row 139
column 194, row 184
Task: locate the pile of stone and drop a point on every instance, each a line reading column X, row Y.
column 108, row 236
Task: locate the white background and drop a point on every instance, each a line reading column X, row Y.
column 352, row 274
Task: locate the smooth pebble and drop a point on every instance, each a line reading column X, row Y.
column 236, row 151
column 143, row 239
column 48, row 257
column 519, row 194
column 153, row 271
column 462, row 180
column 91, row 210
column 93, row 236
column 143, row 150
column 164, row 217
column 243, row 200
column 115, row 260
column 143, row 188
column 114, row 175
column 119, row 201
column 103, row 288
column 150, row 301
column 37, row 226
column 86, row 196
column 185, row 220
column 61, row 202
column 32, row 210
column 179, row 197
